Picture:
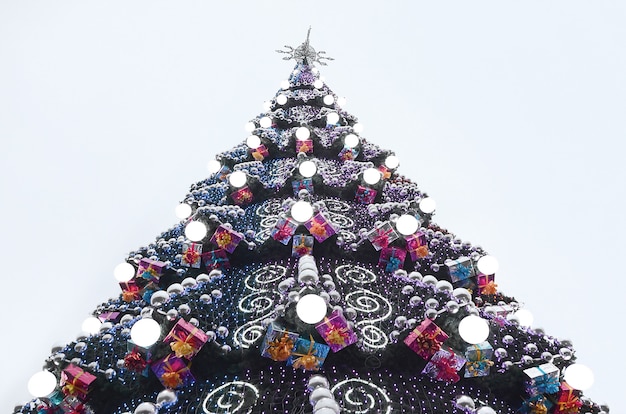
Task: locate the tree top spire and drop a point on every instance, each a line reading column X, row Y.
column 305, row 53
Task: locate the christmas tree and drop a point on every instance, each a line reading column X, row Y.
column 307, row 275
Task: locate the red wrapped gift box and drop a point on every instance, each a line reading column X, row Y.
column 426, row 339
column 185, row 339
column 76, row 381
column 444, row 366
column 365, row 195
column 382, row 236
column 226, row 238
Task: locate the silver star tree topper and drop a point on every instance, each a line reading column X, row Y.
column 305, row 54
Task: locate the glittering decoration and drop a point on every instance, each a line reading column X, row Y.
column 305, row 54
column 245, row 350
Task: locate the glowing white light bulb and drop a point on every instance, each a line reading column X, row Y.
column 214, row 166
column 407, row 224
column 307, row 169
column 351, row 141
column 284, row 84
column 265, row 122
column 303, row 133
column 358, row 128
column 195, row 231
column 123, row 272
column 487, row 265
column 524, row 317
column 253, row 141
column 42, row 384
column 301, row 211
column 318, row 84
column 281, row 99
column 238, row 179
column 183, row 210
column 329, row 100
column 332, row 118
column 474, row 329
column 249, row 127
column 91, row 325
column 579, row 376
column 145, row 332
column 371, row 176
column 311, row 308
column 392, row 162
column 427, row 205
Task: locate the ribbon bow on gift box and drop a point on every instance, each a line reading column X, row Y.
column 445, row 368
column 302, row 249
column 428, row 343
column 461, row 271
column 135, row 361
column 223, row 239
column 172, row 378
column 191, row 255
column 382, row 237
column 318, row 229
column 280, row 350
column 308, row 361
column 546, row 384
column 182, row 346
column 75, row 387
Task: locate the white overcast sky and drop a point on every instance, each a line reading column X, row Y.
column 509, row 114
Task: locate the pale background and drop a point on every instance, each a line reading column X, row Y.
column 509, row 114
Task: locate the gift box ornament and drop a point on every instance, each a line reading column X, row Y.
column 478, row 360
column 109, row 316
column 308, row 354
column 444, row 366
column 460, row 269
column 150, row 269
column 302, row 245
column 192, row 255
column 216, row 259
column 223, row 173
column 76, row 381
column 130, row 291
column 278, row 343
column 347, row 154
column 173, row 372
column 226, row 238
column 543, row 379
column 305, row 146
column 336, row 331
column 392, row 259
column 242, row 196
column 259, row 153
column 382, row 236
column 319, row 227
column 303, row 184
column 283, row 230
column 385, row 172
column 486, row 284
column 137, row 358
column 537, row 404
column 69, row 404
column 567, row 401
column 426, row 339
column 365, row 195
column 417, row 246
column 185, row 339
column 147, row 291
